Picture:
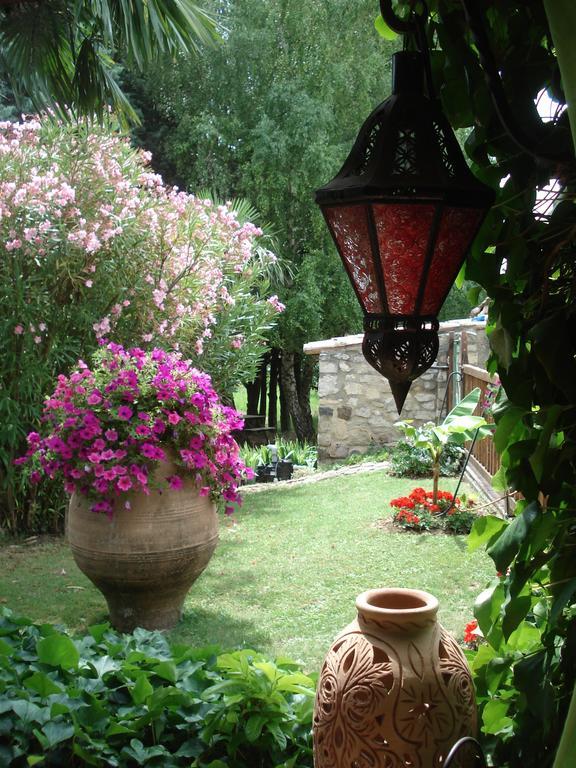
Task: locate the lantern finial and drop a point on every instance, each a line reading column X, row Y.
column 399, row 392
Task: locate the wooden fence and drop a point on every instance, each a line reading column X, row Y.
column 484, row 456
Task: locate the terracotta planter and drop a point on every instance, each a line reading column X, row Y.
column 395, row 689
column 145, row 558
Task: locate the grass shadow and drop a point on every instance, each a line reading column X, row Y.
column 202, row 627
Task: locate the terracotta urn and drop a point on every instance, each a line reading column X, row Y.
column 145, row 558
column 395, row 689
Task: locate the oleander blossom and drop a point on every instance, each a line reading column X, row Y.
column 107, row 427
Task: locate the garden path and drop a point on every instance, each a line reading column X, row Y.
column 314, row 477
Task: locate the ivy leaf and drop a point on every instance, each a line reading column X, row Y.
column 56, row 732
column 383, row 29
column 58, row 651
column 42, row 684
column 166, row 670
column 507, row 546
column 141, row 690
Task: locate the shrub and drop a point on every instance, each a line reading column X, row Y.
column 407, row 460
column 94, row 246
column 107, row 699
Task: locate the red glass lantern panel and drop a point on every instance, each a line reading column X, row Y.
column 457, row 229
column 403, row 231
column 349, row 227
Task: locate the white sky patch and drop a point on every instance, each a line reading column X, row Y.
column 546, row 197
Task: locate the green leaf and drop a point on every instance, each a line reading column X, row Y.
column 56, row 732
column 494, row 717
column 58, row 651
column 29, row 712
column 485, row 530
column 5, row 648
column 506, row 547
column 166, row 670
column 254, row 727
column 562, row 599
column 35, row 759
column 141, row 690
column 515, row 610
column 383, row 29
column 277, row 733
column 502, row 344
column 42, row 684
column 487, row 610
column 98, row 631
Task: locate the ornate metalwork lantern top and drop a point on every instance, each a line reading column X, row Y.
column 403, row 212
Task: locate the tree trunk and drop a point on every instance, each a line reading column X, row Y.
column 284, row 413
column 263, row 376
column 273, row 389
column 252, row 397
column 435, row 478
column 296, row 376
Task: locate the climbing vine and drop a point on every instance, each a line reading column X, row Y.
column 524, row 259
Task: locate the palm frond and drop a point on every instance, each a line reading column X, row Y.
column 62, row 54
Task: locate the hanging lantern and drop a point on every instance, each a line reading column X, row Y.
column 403, row 212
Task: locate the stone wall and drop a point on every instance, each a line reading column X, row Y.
column 356, row 408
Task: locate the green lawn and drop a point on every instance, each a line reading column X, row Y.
column 286, row 572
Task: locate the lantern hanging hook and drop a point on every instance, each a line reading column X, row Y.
column 402, row 26
column 414, row 29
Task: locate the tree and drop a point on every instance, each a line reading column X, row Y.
column 270, row 116
column 62, row 54
column 524, row 259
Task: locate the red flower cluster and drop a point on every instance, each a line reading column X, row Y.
column 418, row 512
column 421, row 500
column 470, row 635
column 405, row 516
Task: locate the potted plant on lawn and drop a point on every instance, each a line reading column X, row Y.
column 144, row 446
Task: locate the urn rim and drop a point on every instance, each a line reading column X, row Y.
column 388, row 602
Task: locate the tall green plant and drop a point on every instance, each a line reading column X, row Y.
column 459, row 426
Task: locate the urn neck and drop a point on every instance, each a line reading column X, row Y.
column 397, row 610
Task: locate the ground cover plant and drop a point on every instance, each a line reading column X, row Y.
column 106, row 699
column 285, row 575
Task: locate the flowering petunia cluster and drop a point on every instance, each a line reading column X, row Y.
column 107, row 427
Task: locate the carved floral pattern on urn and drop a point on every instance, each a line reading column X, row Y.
column 395, row 690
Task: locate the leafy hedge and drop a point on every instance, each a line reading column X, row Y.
column 406, row 460
column 107, row 699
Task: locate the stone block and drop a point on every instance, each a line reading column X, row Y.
column 344, row 412
column 328, row 366
column 328, row 385
column 325, row 410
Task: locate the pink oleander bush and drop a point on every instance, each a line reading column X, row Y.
column 106, row 427
column 95, row 247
